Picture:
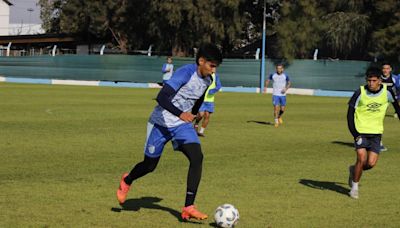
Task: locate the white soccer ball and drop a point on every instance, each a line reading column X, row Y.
column 226, row 216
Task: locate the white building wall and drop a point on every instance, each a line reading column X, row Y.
column 4, row 18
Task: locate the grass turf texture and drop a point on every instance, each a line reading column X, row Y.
column 63, row 149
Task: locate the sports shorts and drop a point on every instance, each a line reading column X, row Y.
column 158, row 136
column 369, row 142
column 278, row 100
column 207, row 107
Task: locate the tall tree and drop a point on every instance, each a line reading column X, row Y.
column 298, row 31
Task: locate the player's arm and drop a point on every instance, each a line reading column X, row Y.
column 164, row 99
column 392, row 98
column 164, row 68
column 288, row 84
column 350, row 114
column 218, row 86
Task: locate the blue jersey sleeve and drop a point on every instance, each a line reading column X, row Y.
column 218, row 85
column 164, row 68
column 287, row 78
column 270, row 77
column 181, row 77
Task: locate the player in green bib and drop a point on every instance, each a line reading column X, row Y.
column 365, row 115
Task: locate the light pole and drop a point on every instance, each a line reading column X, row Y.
column 30, row 10
column 262, row 76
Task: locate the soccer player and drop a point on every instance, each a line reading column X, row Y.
column 390, row 81
column 207, row 108
column 171, row 120
column 281, row 84
column 167, row 69
column 365, row 115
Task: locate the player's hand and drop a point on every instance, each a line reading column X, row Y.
column 265, row 90
column 358, row 140
column 283, row 91
column 187, row 117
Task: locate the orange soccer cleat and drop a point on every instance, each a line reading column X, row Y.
column 123, row 189
column 191, row 212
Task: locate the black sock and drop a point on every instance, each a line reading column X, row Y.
column 190, row 196
column 142, row 168
column 280, row 113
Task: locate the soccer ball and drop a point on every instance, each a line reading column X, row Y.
column 226, row 216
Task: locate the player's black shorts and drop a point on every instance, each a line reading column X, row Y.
column 369, row 142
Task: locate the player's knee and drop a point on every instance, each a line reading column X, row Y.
column 151, row 164
column 193, row 153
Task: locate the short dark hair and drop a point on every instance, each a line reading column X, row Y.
column 280, row 64
column 210, row 52
column 373, row 72
column 386, row 63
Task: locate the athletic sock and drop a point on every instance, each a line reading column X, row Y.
column 201, row 131
column 280, row 113
column 276, row 121
column 354, row 186
column 190, row 196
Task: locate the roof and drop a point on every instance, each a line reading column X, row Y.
column 8, row 2
column 40, row 38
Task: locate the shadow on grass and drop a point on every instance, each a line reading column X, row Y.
column 325, row 185
column 349, row 144
column 149, row 203
column 259, row 122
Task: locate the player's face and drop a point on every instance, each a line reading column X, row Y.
column 279, row 69
column 374, row 83
column 169, row 60
column 386, row 69
column 207, row 68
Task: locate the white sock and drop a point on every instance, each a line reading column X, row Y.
column 354, row 185
column 201, row 130
column 276, row 121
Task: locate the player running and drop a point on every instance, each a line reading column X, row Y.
column 365, row 115
column 171, row 120
column 207, row 108
column 281, row 84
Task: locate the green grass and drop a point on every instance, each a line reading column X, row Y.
column 63, row 149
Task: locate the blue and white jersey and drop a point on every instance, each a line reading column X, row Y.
column 279, row 83
column 190, row 87
column 167, row 74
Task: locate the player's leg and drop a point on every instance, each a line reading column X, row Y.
column 185, row 139
column 205, row 123
column 157, row 137
column 373, row 152
column 276, row 104
column 282, row 109
column 356, row 171
column 199, row 117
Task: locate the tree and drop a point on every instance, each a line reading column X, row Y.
column 298, row 30
column 385, row 40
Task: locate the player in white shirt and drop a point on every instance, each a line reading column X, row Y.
column 280, row 84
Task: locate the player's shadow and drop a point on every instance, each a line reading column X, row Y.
column 325, row 185
column 259, row 122
column 149, row 203
column 349, row 144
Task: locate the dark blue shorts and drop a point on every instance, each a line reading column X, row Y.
column 278, row 100
column 207, row 107
column 158, row 136
column 369, row 142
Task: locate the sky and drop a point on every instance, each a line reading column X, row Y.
column 19, row 12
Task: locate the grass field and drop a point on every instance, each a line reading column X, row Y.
column 63, row 149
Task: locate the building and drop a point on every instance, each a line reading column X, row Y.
column 4, row 17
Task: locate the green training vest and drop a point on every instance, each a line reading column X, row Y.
column 371, row 111
column 210, row 97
